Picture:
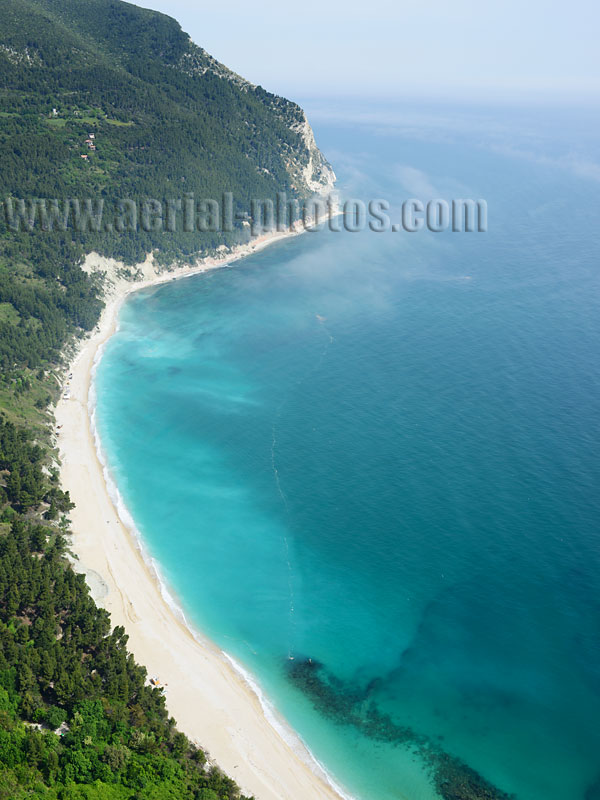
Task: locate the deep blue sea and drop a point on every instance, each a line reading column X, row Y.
column 380, row 452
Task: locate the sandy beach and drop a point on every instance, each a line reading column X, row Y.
column 210, row 700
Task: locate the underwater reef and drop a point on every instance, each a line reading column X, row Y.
column 348, row 704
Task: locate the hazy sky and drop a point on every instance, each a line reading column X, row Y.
column 497, row 48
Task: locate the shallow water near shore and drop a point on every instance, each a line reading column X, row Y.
column 379, row 452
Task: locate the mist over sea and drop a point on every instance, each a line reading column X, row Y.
column 379, row 452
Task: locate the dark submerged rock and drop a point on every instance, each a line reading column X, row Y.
column 348, row 704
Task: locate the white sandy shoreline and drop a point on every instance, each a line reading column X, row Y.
column 210, row 699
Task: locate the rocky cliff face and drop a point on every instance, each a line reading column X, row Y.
column 310, row 170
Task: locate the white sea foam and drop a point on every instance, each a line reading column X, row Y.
column 289, row 736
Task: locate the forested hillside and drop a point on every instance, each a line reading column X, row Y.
column 77, row 717
column 166, row 119
column 100, row 99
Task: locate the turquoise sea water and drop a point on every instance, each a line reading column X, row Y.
column 380, row 452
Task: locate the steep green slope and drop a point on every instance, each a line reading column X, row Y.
column 167, row 119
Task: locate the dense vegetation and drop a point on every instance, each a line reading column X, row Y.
column 78, row 718
column 166, row 118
